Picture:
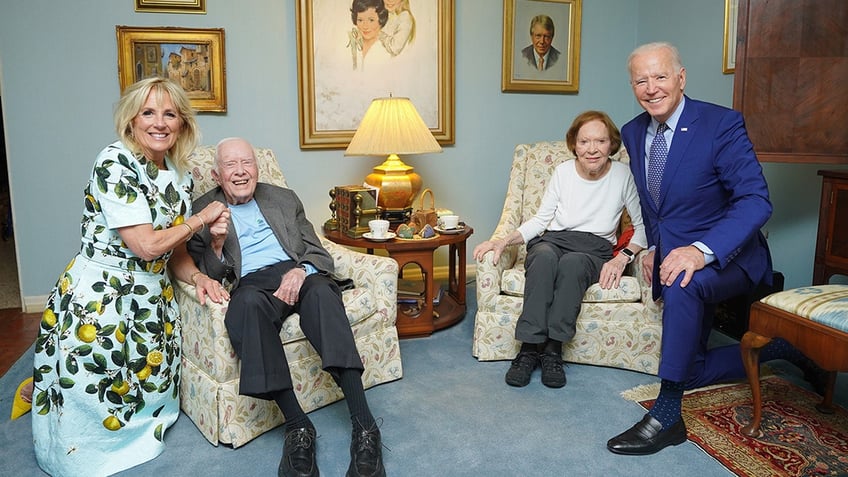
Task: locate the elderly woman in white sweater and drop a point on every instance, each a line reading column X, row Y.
column 570, row 245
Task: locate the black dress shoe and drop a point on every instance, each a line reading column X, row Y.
column 299, row 454
column 647, row 437
column 366, row 453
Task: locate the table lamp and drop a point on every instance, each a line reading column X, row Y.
column 392, row 126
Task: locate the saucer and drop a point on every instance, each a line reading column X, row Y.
column 388, row 236
column 458, row 230
column 418, row 237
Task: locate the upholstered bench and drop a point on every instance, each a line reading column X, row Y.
column 815, row 320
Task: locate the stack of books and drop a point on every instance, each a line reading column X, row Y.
column 412, row 291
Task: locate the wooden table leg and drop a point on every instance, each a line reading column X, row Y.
column 750, row 348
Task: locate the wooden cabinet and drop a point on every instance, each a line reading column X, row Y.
column 832, row 240
column 791, row 66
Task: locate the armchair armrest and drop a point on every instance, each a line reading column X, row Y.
column 635, row 270
column 376, row 273
column 489, row 275
column 204, row 335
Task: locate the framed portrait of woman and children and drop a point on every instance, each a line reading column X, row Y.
column 351, row 52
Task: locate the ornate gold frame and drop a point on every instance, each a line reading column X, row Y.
column 140, row 48
column 311, row 137
column 171, row 6
column 728, row 56
column 567, row 12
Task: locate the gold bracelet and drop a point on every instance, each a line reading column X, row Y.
column 193, row 281
column 202, row 223
column 190, row 230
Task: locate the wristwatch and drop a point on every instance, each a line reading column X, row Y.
column 629, row 254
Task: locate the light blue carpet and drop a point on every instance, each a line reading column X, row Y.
column 450, row 415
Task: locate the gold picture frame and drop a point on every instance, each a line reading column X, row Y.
column 728, row 56
column 171, row 6
column 521, row 73
column 337, row 81
column 193, row 57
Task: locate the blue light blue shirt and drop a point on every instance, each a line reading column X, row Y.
column 259, row 246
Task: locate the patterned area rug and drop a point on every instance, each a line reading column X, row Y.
column 798, row 440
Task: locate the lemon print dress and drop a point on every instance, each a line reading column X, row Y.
column 107, row 356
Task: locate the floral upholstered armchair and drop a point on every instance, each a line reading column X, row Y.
column 210, row 369
column 619, row 328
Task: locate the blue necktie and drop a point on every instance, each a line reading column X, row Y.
column 656, row 162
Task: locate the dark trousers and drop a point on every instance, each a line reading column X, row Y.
column 255, row 317
column 560, row 267
column 687, row 323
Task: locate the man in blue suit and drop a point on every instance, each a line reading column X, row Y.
column 704, row 200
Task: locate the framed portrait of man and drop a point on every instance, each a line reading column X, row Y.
column 541, row 46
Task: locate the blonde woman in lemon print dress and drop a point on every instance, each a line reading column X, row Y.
column 107, row 357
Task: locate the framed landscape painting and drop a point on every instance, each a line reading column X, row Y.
column 194, row 58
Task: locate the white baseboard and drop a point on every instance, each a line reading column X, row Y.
column 35, row 304
column 441, row 273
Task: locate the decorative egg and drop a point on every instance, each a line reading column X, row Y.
column 405, row 231
column 427, row 231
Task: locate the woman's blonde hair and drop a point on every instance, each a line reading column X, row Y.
column 133, row 100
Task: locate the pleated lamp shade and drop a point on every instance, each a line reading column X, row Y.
column 392, row 126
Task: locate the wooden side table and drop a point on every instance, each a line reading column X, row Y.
column 832, row 240
column 428, row 318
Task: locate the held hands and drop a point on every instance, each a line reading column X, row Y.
column 289, row 289
column 612, row 271
column 213, row 212
column 219, row 230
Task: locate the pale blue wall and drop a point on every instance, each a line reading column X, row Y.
column 59, row 82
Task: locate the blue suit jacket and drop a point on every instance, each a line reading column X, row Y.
column 713, row 190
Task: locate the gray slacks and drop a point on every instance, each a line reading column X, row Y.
column 255, row 317
column 560, row 267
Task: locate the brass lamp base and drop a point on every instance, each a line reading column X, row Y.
column 398, row 184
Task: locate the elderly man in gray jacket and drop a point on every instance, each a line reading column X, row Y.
column 273, row 265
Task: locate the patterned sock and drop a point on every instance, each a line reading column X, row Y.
column 295, row 417
column 779, row 348
column 667, row 406
column 350, row 380
column 553, row 346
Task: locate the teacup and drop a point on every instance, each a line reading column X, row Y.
column 379, row 228
column 449, row 222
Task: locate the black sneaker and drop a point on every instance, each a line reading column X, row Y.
column 553, row 376
column 366, row 453
column 522, row 367
column 299, row 454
